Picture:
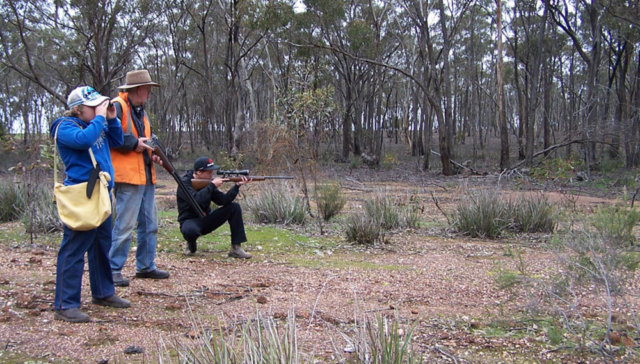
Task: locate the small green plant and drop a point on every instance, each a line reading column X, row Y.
column 389, row 161
column 330, row 200
column 362, row 229
column 616, row 224
column 278, row 205
column 383, row 341
column 355, row 162
column 555, row 334
column 260, row 340
column 482, row 214
column 557, row 169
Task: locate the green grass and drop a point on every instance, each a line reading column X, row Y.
column 8, row 357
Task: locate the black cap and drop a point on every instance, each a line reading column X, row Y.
column 204, row 164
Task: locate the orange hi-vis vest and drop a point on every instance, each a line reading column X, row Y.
column 128, row 166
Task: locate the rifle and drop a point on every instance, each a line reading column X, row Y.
column 166, row 164
column 232, row 176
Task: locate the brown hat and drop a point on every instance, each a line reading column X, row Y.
column 137, row 78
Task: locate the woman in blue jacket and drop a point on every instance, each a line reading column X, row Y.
column 89, row 123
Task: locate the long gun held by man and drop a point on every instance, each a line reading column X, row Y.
column 232, row 176
column 166, row 164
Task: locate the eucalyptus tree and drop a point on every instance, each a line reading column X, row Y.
column 502, row 119
column 436, row 63
column 472, row 61
column 581, row 21
column 246, row 23
column 351, row 31
column 529, row 28
column 621, row 41
column 58, row 45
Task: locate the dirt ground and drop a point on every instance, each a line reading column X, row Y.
column 443, row 283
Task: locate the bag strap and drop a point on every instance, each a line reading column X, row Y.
column 55, row 152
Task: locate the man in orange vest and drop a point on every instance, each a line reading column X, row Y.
column 135, row 178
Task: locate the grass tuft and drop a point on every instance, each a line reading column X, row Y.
column 485, row 214
column 362, row 229
column 482, row 214
column 11, row 201
column 533, row 215
column 278, row 205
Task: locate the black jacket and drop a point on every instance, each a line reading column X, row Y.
column 204, row 197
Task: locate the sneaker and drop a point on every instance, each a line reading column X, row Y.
column 111, row 301
column 119, row 280
column 192, row 246
column 154, row 274
column 71, row 315
column 237, row 252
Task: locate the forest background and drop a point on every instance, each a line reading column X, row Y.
column 293, row 87
column 242, row 77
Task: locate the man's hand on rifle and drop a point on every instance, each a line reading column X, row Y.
column 217, row 182
column 142, row 146
column 244, row 181
column 156, row 159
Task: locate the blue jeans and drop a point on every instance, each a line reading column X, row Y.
column 135, row 203
column 70, row 266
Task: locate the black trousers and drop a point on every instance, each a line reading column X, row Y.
column 195, row 228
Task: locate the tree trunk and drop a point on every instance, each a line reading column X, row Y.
column 502, row 119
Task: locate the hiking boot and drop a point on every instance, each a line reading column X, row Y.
column 119, row 280
column 188, row 253
column 154, row 274
column 71, row 315
column 112, row 301
column 192, row 246
column 237, row 252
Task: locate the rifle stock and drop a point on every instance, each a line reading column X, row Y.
column 199, row 184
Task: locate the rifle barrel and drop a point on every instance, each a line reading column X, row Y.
column 199, row 184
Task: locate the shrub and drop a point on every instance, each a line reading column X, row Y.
column 532, row 215
column 30, row 203
column 278, row 205
column 409, row 211
column 616, row 223
column 355, row 162
column 485, row 214
column 330, row 200
column 389, row 161
column 11, row 201
column 40, row 214
column 482, row 214
column 362, row 229
column 384, row 211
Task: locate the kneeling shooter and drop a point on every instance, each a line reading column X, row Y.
column 193, row 226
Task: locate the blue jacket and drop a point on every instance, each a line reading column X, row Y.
column 74, row 139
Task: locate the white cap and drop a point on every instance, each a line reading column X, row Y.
column 85, row 95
